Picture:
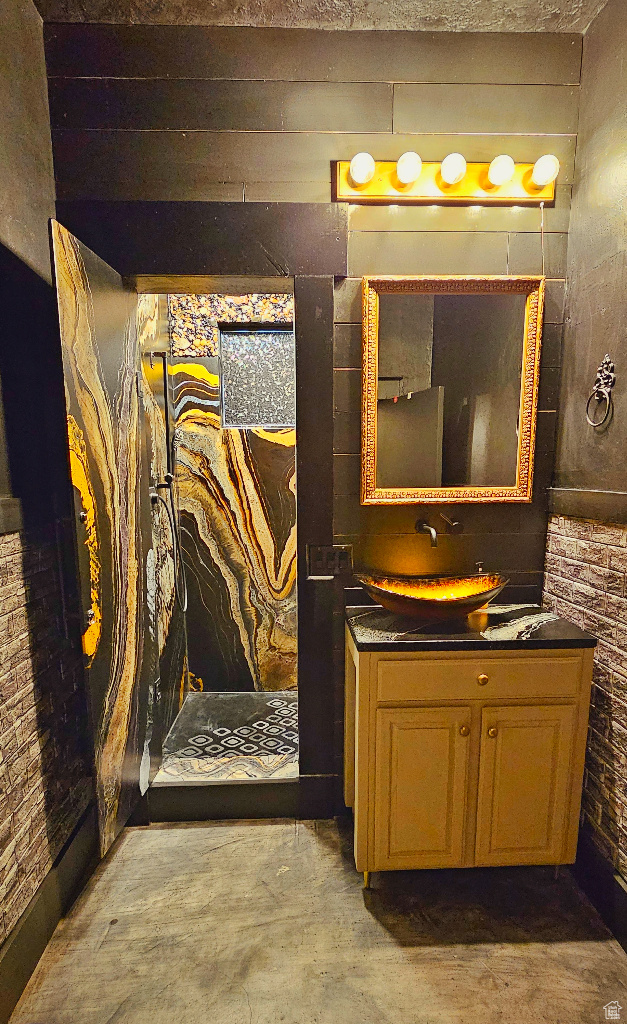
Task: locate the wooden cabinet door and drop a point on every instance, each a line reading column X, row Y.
column 524, row 784
column 421, row 767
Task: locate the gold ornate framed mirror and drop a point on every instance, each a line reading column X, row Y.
column 450, row 371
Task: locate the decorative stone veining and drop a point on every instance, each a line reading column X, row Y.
column 514, row 626
column 237, row 500
column 519, row 629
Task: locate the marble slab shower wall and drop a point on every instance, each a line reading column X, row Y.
column 113, row 531
column 166, row 616
column 237, row 498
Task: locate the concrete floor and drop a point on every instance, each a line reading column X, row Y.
column 265, row 922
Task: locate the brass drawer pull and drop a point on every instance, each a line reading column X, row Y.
column 465, row 730
column 482, row 679
column 493, row 732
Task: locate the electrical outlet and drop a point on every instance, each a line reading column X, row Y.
column 325, row 561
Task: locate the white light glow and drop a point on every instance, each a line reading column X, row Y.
column 501, row 170
column 453, row 168
column 545, row 170
column 408, row 168
column 362, row 169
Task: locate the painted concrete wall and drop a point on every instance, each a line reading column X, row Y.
column 586, row 558
column 45, row 778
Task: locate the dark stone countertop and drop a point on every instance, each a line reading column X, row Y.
column 514, row 627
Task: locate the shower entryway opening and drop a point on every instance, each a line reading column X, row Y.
column 222, row 366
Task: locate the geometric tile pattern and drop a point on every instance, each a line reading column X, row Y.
column 220, row 736
column 274, row 732
column 217, row 724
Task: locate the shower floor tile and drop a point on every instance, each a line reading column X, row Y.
column 232, row 736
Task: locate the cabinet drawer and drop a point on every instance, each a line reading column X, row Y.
column 464, row 678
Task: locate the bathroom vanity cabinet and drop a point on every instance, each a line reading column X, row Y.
column 465, row 748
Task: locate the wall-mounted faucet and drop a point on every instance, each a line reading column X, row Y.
column 422, row 526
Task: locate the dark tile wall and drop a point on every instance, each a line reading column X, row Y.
column 132, row 122
column 506, row 538
column 233, row 114
column 586, row 582
column 168, row 113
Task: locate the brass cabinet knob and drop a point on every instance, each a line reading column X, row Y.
column 82, row 516
column 464, row 730
column 492, row 732
column 482, row 679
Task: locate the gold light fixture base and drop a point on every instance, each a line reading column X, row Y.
column 430, row 188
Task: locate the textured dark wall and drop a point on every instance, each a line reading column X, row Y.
column 588, row 459
column 586, row 556
column 416, row 15
column 26, row 178
column 45, row 756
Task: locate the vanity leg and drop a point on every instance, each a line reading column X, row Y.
column 366, row 879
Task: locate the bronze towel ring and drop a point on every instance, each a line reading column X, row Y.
column 602, row 392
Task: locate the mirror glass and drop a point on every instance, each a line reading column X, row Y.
column 450, row 379
column 448, row 389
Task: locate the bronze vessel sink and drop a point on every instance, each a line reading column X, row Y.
column 433, row 598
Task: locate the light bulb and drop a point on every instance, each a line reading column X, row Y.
column 453, row 168
column 501, row 170
column 408, row 168
column 545, row 171
column 362, row 169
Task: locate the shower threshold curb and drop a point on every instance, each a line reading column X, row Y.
column 309, row 796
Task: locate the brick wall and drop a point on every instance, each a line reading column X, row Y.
column 585, row 581
column 45, row 775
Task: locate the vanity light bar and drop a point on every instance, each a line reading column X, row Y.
column 451, row 181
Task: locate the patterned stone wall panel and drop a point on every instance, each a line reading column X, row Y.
column 586, row 582
column 45, row 755
column 237, row 495
column 100, row 358
column 166, row 619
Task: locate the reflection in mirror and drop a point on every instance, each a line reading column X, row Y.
column 448, row 389
column 450, row 385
